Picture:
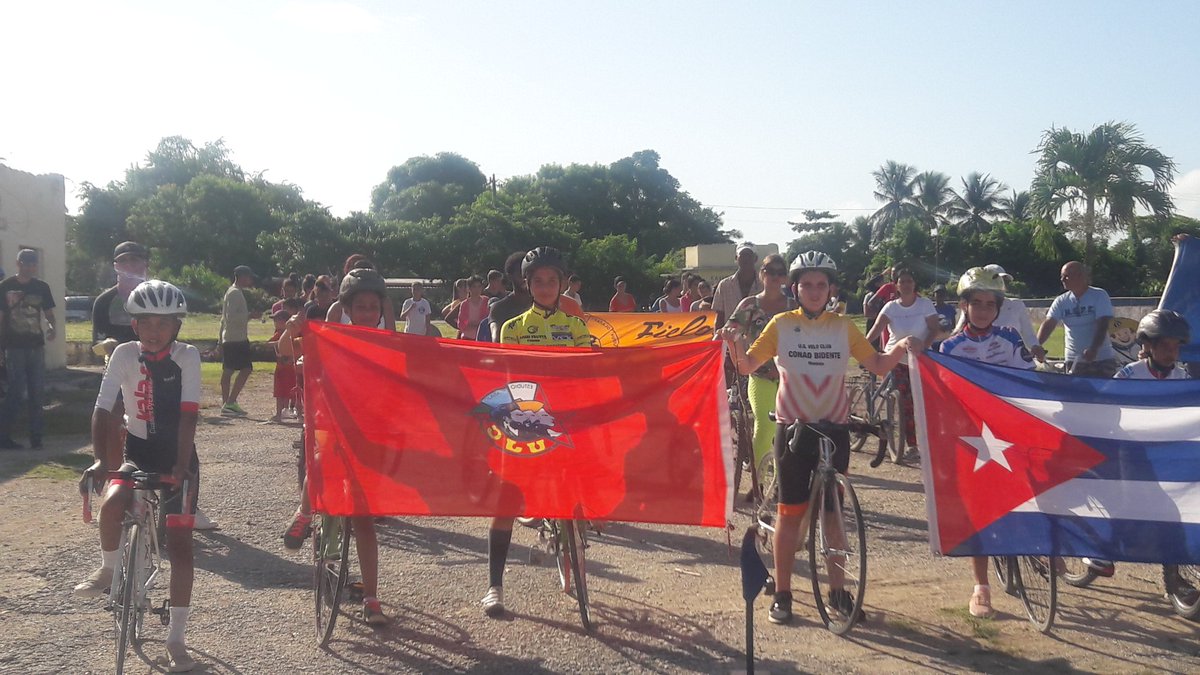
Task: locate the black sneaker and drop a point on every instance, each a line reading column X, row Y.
column 843, row 603
column 10, row 444
column 1102, row 568
column 781, row 609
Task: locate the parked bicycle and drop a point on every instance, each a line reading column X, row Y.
column 875, row 410
column 1180, row 582
column 566, row 541
column 140, row 562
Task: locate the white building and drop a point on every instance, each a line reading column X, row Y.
column 714, row 262
column 33, row 214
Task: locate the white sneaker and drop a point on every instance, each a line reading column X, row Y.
column 95, row 585
column 493, row 602
column 203, row 523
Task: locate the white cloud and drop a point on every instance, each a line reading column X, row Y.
column 330, row 17
column 1186, row 194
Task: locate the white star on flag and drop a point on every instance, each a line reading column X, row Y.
column 990, row 449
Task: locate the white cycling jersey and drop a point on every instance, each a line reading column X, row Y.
column 1000, row 346
column 156, row 388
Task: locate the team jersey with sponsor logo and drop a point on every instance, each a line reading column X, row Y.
column 1140, row 370
column 536, row 327
column 999, row 346
column 156, row 389
column 812, row 356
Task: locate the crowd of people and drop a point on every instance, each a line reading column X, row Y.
column 785, row 325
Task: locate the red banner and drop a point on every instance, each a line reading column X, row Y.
column 408, row 425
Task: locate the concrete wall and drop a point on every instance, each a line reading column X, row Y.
column 714, row 262
column 33, row 215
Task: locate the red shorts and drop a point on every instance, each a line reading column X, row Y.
column 285, row 379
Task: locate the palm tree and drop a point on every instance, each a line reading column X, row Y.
column 893, row 187
column 978, row 204
column 1105, row 167
column 1017, row 207
column 932, row 195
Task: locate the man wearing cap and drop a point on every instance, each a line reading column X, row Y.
column 131, row 262
column 26, row 300
column 734, row 288
column 235, row 341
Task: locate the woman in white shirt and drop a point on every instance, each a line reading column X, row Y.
column 910, row 314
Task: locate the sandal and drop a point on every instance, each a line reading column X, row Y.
column 981, row 602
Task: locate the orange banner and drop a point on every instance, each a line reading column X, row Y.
column 640, row 329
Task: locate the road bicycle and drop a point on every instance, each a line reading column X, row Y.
column 140, row 561
column 876, row 410
column 1034, row 579
column 331, row 537
column 1180, row 581
column 741, row 419
column 837, row 533
column 566, row 541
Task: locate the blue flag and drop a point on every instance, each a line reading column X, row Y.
column 1182, row 293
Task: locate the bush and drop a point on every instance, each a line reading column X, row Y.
column 203, row 287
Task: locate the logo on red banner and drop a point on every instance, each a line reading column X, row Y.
column 518, row 421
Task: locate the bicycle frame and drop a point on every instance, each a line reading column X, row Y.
column 143, row 511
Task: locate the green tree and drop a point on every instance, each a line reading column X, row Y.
column 1017, row 208
column 1102, row 169
column 599, row 261
column 427, row 187
column 979, row 203
column 932, row 196
column 893, row 187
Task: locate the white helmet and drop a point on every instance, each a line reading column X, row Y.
column 156, row 297
column 813, row 260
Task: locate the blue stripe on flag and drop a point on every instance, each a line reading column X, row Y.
column 1077, row 536
column 1177, row 461
column 1018, row 383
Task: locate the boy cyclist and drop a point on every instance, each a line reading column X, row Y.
column 159, row 380
column 542, row 324
column 812, row 348
column 362, row 297
column 981, row 294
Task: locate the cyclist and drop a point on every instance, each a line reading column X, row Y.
column 812, row 348
column 1161, row 334
column 981, row 294
column 543, row 271
column 750, row 318
column 908, row 314
column 159, row 377
column 362, row 296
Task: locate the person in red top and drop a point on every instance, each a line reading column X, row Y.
column 622, row 301
column 473, row 310
column 285, row 366
column 691, row 286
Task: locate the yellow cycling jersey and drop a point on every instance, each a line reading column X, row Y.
column 536, row 327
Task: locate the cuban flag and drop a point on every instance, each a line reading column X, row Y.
column 1018, row 462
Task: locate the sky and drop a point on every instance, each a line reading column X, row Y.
column 760, row 109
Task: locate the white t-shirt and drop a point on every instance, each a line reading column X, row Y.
column 418, row 320
column 905, row 321
column 1140, row 370
column 1079, row 316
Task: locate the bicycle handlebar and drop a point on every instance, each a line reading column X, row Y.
column 142, row 480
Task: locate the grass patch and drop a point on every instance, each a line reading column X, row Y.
column 984, row 629
column 60, row 467
column 210, row 375
column 206, row 327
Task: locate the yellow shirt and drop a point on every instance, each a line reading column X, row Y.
column 534, row 327
column 812, row 356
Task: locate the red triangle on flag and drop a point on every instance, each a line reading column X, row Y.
column 987, row 456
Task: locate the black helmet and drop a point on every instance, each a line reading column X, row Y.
column 542, row 256
column 361, row 279
column 1164, row 323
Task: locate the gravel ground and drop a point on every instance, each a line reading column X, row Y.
column 666, row 599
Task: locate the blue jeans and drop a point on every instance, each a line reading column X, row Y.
column 26, row 373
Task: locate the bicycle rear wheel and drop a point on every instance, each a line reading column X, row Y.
column 1182, row 582
column 576, row 546
column 1002, row 565
column 331, row 555
column 859, row 420
column 837, row 547
column 1077, row 573
column 1038, row 586
column 126, row 622
column 897, row 442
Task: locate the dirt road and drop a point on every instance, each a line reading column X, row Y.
column 666, row 599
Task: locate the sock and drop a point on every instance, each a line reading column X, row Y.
column 179, row 617
column 109, row 559
column 982, row 587
column 498, row 542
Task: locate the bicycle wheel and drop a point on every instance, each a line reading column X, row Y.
column 576, row 545
column 1182, row 582
column 897, row 443
column 859, row 419
column 331, row 555
column 1077, row 573
column 1038, row 587
column 837, row 547
column 125, row 622
column 1002, row 565
column 767, row 504
column 562, row 554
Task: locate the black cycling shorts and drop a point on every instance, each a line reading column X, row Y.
column 236, row 356
column 795, row 467
column 139, row 455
